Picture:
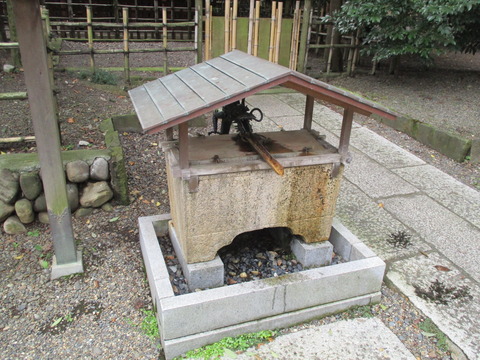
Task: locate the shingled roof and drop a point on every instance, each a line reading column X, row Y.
column 186, row 94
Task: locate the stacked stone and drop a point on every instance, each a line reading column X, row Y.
column 22, row 197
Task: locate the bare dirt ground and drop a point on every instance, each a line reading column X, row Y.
column 98, row 314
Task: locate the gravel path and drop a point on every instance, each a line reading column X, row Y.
column 97, row 314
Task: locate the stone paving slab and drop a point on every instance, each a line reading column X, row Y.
column 369, row 221
column 375, row 180
column 347, row 340
column 381, row 150
column 458, row 198
column 454, row 237
column 460, row 318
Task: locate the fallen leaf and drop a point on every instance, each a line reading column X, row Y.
column 427, row 334
column 383, row 307
column 96, row 284
column 87, row 222
column 146, row 202
column 70, row 120
column 158, row 203
column 56, row 322
column 131, row 163
column 18, row 257
column 114, row 219
column 380, row 205
column 442, row 268
column 424, row 253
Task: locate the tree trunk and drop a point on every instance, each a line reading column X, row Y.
column 394, row 66
column 334, row 37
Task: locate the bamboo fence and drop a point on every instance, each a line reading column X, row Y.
column 127, row 28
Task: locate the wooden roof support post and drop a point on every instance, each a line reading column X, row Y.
column 34, row 57
column 345, row 134
column 307, row 123
column 183, row 145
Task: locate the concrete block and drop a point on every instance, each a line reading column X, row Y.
column 220, row 307
column 66, row 269
column 179, row 346
column 449, row 144
column 127, row 123
column 475, row 151
column 201, row 275
column 312, row 255
column 334, row 283
column 360, row 251
column 342, row 239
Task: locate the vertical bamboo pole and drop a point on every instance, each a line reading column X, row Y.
column 295, row 58
column 34, row 54
column 90, row 37
column 157, row 18
column 126, row 54
column 234, row 25
column 165, row 41
column 308, row 40
column 227, row 27
column 116, row 17
column 257, row 28
column 278, row 32
column 250, row 27
column 199, row 30
column 302, row 52
column 294, row 43
column 207, row 29
column 272, row 31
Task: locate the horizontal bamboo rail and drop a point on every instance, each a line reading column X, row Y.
column 17, row 139
column 8, row 45
column 132, row 25
column 120, row 51
column 13, row 96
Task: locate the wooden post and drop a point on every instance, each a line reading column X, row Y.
column 293, row 40
column 345, row 133
column 233, row 44
column 199, row 33
column 207, row 30
column 272, row 31
column 183, row 145
column 126, row 53
column 34, row 55
column 46, row 34
column 165, row 42
column 256, row 28
column 302, row 52
column 330, row 52
column 307, row 123
column 278, row 32
column 250, row 27
column 227, row 27
column 351, row 51
column 90, row 38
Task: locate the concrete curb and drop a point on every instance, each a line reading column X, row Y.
column 447, row 143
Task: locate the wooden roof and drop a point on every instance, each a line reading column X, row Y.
column 186, row 94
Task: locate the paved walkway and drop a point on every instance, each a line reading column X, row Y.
column 387, row 189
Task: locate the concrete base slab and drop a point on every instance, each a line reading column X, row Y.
column 199, row 318
column 202, row 275
column 347, row 340
column 66, row 269
column 313, row 254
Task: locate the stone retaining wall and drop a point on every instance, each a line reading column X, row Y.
column 94, row 177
